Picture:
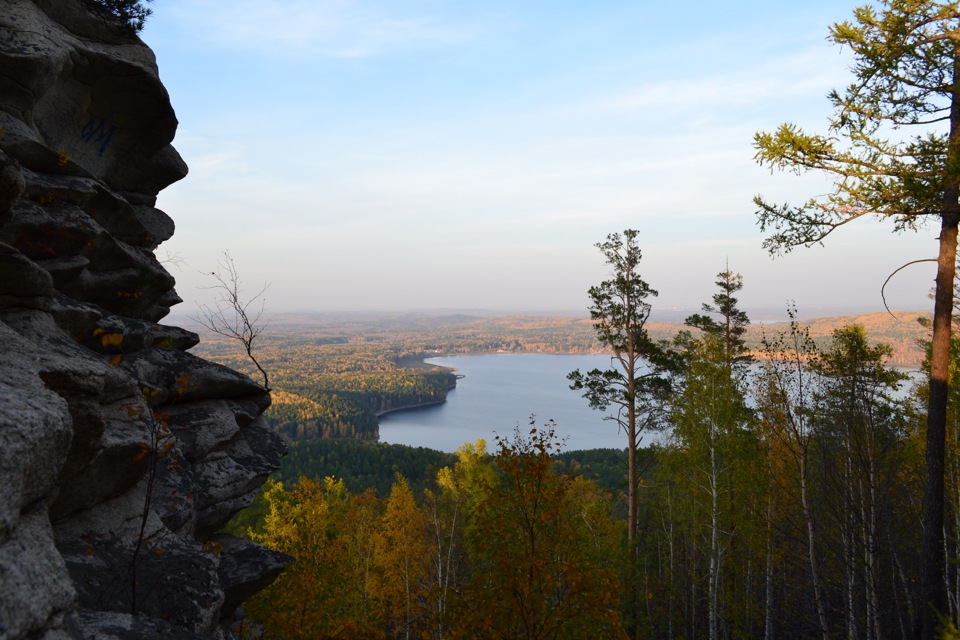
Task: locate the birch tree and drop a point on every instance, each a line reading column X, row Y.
column 449, row 509
column 785, row 400
column 712, row 455
column 859, row 427
column 326, row 592
column 401, row 557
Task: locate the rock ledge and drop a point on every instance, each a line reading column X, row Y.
column 122, row 455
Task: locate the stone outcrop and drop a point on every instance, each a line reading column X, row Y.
column 121, row 454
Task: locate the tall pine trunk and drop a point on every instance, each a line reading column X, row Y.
column 934, row 588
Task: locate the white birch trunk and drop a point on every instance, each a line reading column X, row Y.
column 811, row 543
column 714, row 572
column 768, row 586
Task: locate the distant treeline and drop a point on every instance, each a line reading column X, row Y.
column 365, row 465
column 376, row 465
column 361, row 465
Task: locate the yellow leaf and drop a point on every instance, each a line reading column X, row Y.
column 111, row 339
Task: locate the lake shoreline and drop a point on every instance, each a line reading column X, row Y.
column 408, row 407
column 420, row 361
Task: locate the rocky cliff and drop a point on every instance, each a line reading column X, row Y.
column 121, row 454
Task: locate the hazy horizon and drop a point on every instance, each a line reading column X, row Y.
column 185, row 315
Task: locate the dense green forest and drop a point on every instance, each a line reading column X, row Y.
column 346, row 405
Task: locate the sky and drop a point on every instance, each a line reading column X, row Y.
column 365, row 155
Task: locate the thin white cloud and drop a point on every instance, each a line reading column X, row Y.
column 810, row 73
column 332, row 28
column 208, row 160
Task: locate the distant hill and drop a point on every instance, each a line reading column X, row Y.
column 903, row 332
column 336, row 342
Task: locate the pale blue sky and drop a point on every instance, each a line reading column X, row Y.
column 423, row 154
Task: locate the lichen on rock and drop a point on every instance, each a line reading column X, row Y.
column 122, row 454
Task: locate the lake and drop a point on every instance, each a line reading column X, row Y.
column 499, row 391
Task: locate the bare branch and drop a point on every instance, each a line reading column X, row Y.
column 231, row 316
column 895, row 271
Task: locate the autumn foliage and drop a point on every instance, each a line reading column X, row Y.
column 501, row 546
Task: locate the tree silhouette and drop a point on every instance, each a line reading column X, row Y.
column 231, row 316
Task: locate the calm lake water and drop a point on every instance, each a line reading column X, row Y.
column 500, row 391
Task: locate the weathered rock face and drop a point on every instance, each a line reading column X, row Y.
column 121, row 454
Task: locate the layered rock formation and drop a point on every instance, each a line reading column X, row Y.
column 121, row 454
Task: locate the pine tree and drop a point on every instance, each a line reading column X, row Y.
column 635, row 384
column 130, row 14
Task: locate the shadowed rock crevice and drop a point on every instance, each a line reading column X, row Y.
column 122, row 453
